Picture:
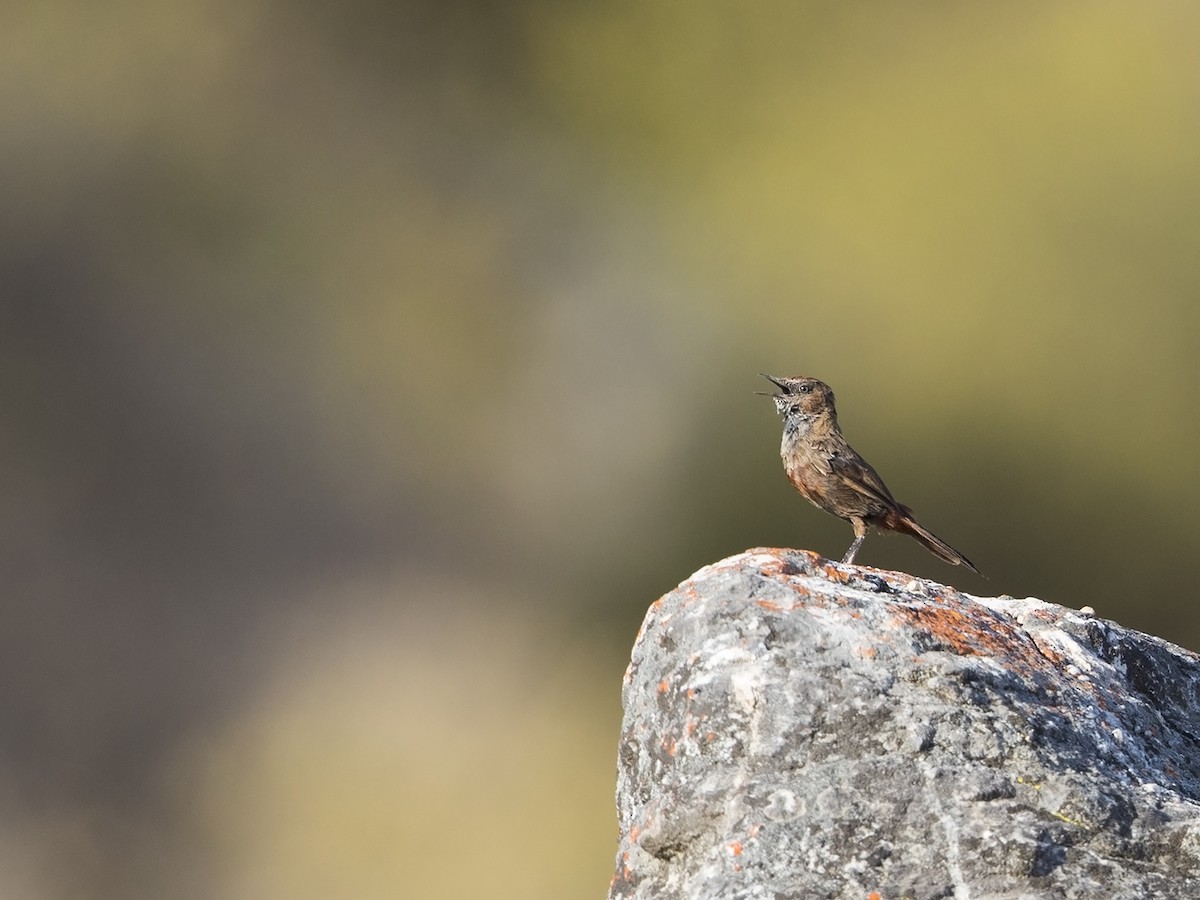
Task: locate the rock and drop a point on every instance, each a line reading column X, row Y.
column 799, row 729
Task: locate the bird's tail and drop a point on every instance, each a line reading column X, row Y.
column 936, row 545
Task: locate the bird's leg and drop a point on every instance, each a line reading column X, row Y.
column 860, row 535
column 849, row 557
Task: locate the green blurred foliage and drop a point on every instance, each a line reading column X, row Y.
column 366, row 370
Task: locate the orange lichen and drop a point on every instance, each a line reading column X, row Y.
column 971, row 633
column 969, row 629
column 777, row 565
column 664, row 686
column 736, row 848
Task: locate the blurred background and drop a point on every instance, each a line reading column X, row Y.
column 367, row 369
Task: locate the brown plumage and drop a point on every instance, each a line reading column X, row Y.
column 832, row 476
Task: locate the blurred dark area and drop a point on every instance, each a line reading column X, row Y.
column 366, row 370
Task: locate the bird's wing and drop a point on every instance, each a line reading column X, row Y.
column 856, row 473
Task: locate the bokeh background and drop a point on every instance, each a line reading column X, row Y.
column 366, row 369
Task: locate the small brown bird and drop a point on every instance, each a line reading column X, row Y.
column 829, row 473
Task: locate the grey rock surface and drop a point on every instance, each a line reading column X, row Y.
column 796, row 728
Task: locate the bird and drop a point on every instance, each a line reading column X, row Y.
column 833, row 477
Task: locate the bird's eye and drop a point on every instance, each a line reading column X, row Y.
column 806, row 388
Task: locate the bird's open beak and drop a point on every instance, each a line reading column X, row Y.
column 775, row 381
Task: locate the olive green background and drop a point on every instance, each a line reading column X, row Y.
column 366, row 370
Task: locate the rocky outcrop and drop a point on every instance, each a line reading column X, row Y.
column 797, row 728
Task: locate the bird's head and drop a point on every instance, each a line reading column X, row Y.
column 801, row 397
